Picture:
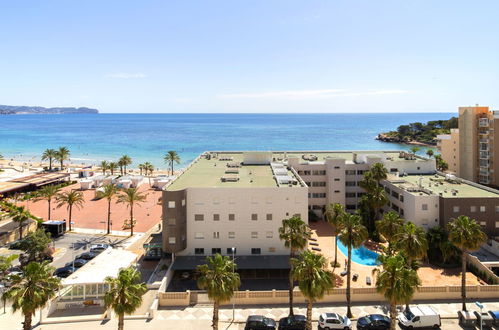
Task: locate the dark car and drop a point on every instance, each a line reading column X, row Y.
column 374, row 322
column 64, row 271
column 98, row 248
column 16, row 245
column 78, row 263
column 87, row 256
column 295, row 322
column 259, row 322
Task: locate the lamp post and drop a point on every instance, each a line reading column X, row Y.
column 233, row 249
column 480, row 305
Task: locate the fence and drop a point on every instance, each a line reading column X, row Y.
column 334, row 296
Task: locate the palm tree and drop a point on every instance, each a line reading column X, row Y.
column 219, row 279
column 48, row 193
column 414, row 149
column 379, row 172
column 123, row 162
column 110, row 191
column 429, row 153
column 104, row 165
column 131, row 196
column 62, row 154
column 20, row 215
column 70, row 198
column 112, row 166
column 334, row 215
column 314, row 280
column 388, row 227
column 396, row 282
column 466, row 235
column 295, row 234
column 50, row 155
column 352, row 235
column 141, row 168
column 148, row 168
column 32, row 290
column 125, row 293
column 172, row 157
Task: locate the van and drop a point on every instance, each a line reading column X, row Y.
column 419, row 317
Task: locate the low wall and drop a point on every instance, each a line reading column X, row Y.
column 481, row 267
column 334, row 296
column 13, row 235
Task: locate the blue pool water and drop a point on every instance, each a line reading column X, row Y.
column 361, row 255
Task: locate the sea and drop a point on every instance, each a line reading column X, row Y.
column 92, row 138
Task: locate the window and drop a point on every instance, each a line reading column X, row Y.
column 482, row 208
column 216, row 250
column 216, row 217
column 306, row 172
column 199, row 235
column 199, row 251
column 321, row 172
column 254, row 234
column 172, row 240
column 229, row 251
column 497, row 208
column 171, row 221
column 318, row 195
column 198, row 217
column 350, row 184
column 256, row 251
column 232, row 234
column 360, row 172
column 350, row 172
column 183, row 202
column 216, row 234
column 424, row 207
column 455, row 209
column 271, row 249
column 269, row 216
column 318, row 184
column 171, row 204
column 270, row 234
column 483, row 223
column 497, row 224
column 254, row 216
column 401, row 198
column 232, row 217
column 336, row 167
column 473, row 209
column 336, row 191
column 350, row 195
column 350, row 207
column 336, row 179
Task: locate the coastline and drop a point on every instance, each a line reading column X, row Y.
column 384, row 138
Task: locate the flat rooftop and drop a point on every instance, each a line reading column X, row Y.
column 346, row 155
column 205, row 172
column 436, row 184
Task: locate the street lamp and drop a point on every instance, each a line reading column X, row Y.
column 233, row 249
column 480, row 305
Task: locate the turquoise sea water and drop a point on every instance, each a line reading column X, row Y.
column 361, row 255
column 146, row 137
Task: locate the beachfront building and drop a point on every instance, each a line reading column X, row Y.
column 469, row 150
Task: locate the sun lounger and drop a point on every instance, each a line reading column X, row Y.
column 343, row 273
column 313, row 239
column 355, row 277
column 313, row 244
column 368, row 280
column 316, row 249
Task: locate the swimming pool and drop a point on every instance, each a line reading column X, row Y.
column 361, row 255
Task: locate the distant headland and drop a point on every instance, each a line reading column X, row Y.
column 23, row 110
column 419, row 133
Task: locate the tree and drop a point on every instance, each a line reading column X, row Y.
column 19, row 214
column 353, row 234
column 123, row 162
column 104, row 166
column 141, row 168
column 50, row 155
column 466, row 235
column 71, row 199
column 414, row 149
column 131, row 197
column 5, row 264
column 379, row 172
column 32, row 290
column 439, row 247
column 441, row 164
column 295, row 234
column 35, row 245
column 219, row 279
column 148, row 168
column 110, row 191
column 429, row 153
column 48, row 193
column 125, row 293
column 397, row 283
column 172, row 157
column 112, row 166
column 334, row 215
column 388, row 227
column 314, row 280
column 62, row 154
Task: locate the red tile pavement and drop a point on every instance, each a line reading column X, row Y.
column 93, row 214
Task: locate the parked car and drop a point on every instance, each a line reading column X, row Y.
column 259, row 322
column 15, row 270
column 374, row 322
column 420, row 317
column 16, row 245
column 87, row 255
column 295, row 322
column 334, row 321
column 495, row 316
column 64, row 271
column 486, row 319
column 98, row 248
column 77, row 263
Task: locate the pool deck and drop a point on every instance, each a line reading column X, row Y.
column 429, row 274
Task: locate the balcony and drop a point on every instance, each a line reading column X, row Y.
column 483, row 122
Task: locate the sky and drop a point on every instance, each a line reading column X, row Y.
column 250, row 56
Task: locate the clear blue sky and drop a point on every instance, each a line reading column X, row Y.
column 250, row 56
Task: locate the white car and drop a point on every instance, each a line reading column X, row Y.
column 329, row 321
